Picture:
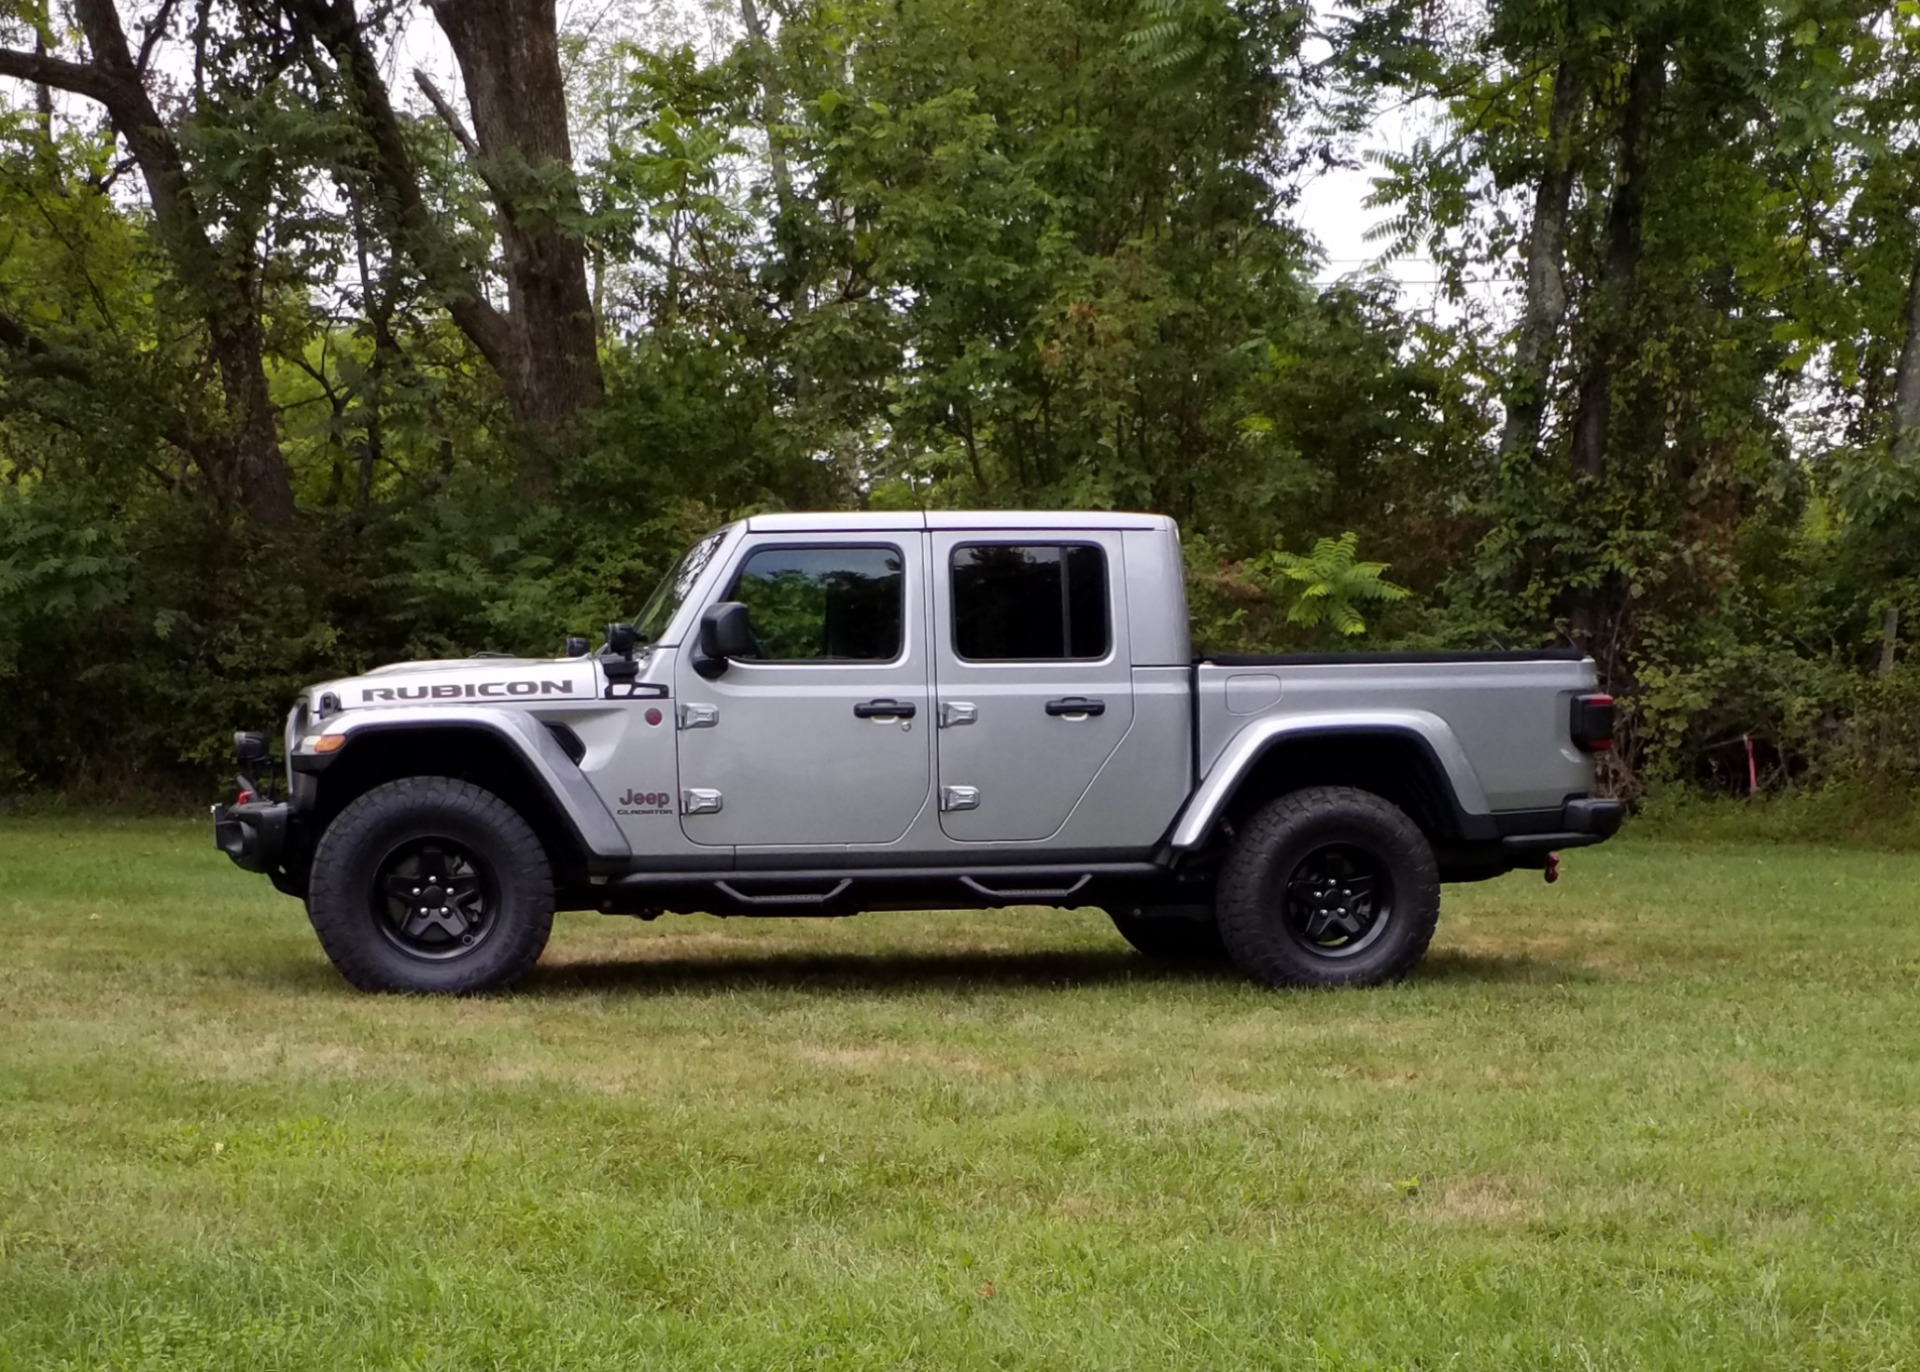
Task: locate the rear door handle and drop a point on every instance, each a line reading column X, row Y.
column 885, row 709
column 1076, row 706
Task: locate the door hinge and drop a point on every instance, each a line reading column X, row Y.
column 959, row 797
column 698, row 801
column 699, row 716
column 957, row 712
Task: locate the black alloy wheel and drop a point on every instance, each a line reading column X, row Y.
column 1339, row 900
column 434, row 899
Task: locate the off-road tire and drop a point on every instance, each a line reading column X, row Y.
column 493, row 840
column 1258, row 924
column 1171, row 938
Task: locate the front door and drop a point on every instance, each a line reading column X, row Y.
column 1034, row 689
column 819, row 738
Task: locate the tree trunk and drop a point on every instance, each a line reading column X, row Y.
column 773, row 99
column 543, row 346
column 509, row 56
column 1612, row 338
column 223, row 289
column 1538, row 344
column 244, row 462
column 1906, row 383
column 1611, row 309
column 43, row 105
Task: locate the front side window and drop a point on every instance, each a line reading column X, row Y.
column 672, row 593
column 823, row 604
column 1028, row 602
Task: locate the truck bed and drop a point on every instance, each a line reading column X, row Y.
column 1496, row 722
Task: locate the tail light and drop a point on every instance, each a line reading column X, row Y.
column 1592, row 724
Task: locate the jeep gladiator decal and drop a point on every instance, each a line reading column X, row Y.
column 645, row 803
column 468, row 691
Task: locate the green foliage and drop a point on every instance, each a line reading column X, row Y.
column 1279, row 600
column 1330, row 586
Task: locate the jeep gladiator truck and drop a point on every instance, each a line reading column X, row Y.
column 825, row 714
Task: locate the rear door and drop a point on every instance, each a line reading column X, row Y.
column 821, row 737
column 1033, row 690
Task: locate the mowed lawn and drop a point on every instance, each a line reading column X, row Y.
column 1664, row 1114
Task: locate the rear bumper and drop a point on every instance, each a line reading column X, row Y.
column 1582, row 824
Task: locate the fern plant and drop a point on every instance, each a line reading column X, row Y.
column 1172, row 33
column 1332, row 584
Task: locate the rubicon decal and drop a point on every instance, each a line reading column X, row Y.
column 645, row 803
column 470, row 691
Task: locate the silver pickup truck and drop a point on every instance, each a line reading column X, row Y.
column 825, row 714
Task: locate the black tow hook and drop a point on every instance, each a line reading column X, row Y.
column 1552, row 870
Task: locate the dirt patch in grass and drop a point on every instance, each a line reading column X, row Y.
column 887, row 1057
column 1590, row 947
column 1492, row 1199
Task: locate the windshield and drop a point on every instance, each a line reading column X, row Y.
column 671, row 593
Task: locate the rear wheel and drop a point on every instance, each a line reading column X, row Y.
column 1329, row 886
column 431, row 884
column 1182, row 935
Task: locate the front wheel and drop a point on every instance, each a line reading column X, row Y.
column 431, row 884
column 1328, row 886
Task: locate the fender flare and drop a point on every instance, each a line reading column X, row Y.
column 571, row 794
column 1430, row 733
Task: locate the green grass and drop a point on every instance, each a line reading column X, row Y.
column 1665, row 1114
column 1856, row 814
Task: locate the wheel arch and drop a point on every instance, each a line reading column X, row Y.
column 517, row 760
column 1414, row 762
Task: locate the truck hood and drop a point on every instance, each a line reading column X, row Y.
column 497, row 680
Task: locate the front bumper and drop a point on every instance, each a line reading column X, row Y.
column 253, row 833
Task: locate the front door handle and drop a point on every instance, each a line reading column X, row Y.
column 1076, row 707
column 884, row 709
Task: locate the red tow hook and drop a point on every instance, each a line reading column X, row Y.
column 1552, row 870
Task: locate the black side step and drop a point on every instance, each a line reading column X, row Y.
column 843, row 892
column 735, row 894
column 1032, row 892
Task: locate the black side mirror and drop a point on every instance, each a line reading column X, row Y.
column 576, row 646
column 726, row 631
column 621, row 639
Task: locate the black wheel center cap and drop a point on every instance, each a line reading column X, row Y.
column 433, row 895
column 1338, row 899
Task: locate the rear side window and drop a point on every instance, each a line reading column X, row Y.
column 819, row 604
column 1029, row 602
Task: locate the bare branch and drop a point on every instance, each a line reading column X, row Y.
column 448, row 114
column 335, row 29
column 75, row 77
column 152, row 31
